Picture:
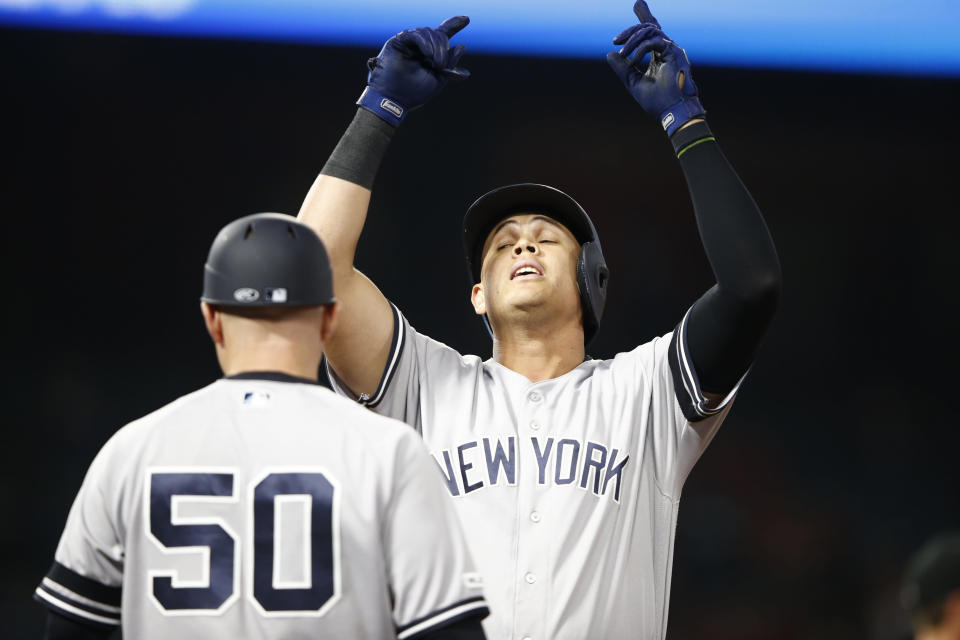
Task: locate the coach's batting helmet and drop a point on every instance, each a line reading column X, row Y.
column 267, row 260
column 491, row 208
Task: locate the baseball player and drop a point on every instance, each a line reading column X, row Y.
column 931, row 589
column 263, row 506
column 566, row 472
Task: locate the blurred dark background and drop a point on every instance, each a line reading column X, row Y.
column 123, row 156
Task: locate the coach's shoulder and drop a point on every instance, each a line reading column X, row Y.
column 355, row 417
column 389, row 443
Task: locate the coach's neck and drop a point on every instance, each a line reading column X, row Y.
column 275, row 355
column 289, row 341
column 540, row 353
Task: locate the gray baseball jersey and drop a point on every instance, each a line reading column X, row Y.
column 567, row 488
column 263, row 506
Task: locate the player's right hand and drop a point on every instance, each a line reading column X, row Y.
column 412, row 67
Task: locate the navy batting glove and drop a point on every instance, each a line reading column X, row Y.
column 664, row 87
column 412, row 67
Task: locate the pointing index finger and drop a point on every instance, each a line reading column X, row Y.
column 642, row 11
column 451, row 26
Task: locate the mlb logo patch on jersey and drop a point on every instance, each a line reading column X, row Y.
column 473, row 581
column 256, row 399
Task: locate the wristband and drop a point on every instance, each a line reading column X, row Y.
column 689, row 137
column 382, row 106
column 357, row 156
column 680, row 113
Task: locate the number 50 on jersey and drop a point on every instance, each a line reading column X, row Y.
column 176, row 522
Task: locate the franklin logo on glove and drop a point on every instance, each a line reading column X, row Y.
column 392, row 107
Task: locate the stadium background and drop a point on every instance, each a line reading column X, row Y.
column 123, row 155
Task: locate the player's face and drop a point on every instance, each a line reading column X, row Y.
column 529, row 263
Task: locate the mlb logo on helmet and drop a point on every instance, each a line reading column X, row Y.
column 278, row 295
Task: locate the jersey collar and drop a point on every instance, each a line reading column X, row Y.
column 275, row 376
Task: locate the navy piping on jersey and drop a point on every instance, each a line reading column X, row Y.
column 274, row 376
column 686, row 384
column 468, row 608
column 396, row 349
column 79, row 598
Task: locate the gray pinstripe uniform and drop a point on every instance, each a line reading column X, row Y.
column 263, row 507
column 567, row 488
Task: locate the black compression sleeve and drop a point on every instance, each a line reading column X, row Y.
column 63, row 628
column 464, row 629
column 727, row 323
column 357, row 156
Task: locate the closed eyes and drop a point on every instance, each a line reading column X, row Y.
column 510, row 243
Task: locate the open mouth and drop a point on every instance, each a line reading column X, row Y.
column 526, row 270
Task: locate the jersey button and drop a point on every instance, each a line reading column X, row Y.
column 530, row 578
column 535, row 516
column 534, row 425
column 534, row 396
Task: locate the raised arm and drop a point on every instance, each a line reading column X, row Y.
column 727, row 324
column 412, row 67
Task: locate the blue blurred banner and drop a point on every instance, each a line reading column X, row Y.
column 918, row 37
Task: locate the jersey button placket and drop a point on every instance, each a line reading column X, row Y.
column 534, row 539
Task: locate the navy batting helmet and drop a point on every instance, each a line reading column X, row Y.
column 267, row 260
column 592, row 272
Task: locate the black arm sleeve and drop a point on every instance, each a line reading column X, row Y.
column 357, row 156
column 728, row 322
column 464, row 629
column 63, row 628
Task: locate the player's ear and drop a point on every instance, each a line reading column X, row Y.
column 478, row 300
column 328, row 322
column 213, row 318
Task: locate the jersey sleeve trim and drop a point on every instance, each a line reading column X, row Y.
column 471, row 607
column 69, row 580
column 396, row 350
column 78, row 597
column 686, row 384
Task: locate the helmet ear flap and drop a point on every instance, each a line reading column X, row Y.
column 592, row 278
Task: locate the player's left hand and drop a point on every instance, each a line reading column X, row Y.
column 663, row 87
